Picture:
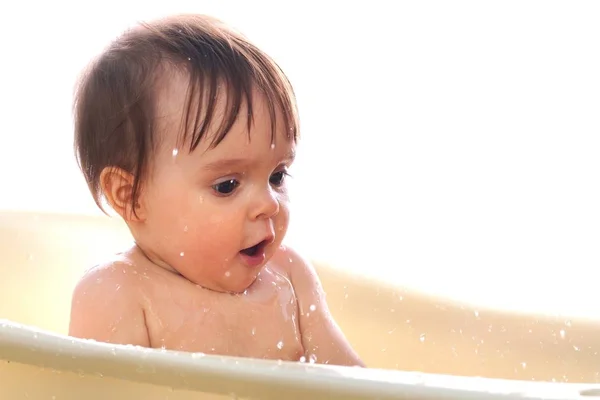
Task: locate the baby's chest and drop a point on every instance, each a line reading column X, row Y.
column 262, row 326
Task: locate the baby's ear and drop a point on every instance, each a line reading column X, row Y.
column 117, row 187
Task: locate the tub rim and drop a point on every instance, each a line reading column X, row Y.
column 253, row 377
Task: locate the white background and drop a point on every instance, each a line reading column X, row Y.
column 449, row 146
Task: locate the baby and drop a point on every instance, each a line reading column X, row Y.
column 187, row 131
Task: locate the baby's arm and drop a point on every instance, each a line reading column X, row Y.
column 105, row 308
column 321, row 336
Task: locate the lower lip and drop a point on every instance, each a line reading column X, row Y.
column 255, row 260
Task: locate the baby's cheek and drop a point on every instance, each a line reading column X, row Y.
column 282, row 219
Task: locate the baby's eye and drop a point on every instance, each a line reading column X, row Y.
column 226, row 187
column 278, row 178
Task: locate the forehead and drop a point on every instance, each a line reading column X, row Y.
column 176, row 118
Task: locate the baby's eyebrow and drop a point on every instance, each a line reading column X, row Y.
column 232, row 163
column 229, row 163
column 290, row 156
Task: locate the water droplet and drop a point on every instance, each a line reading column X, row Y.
column 312, row 359
column 524, row 364
column 575, row 348
column 272, row 146
column 118, row 286
column 227, row 274
column 302, row 359
column 476, row 314
column 175, row 151
column 422, row 337
column 253, row 331
column 346, row 296
column 198, row 355
column 182, row 254
column 290, row 259
column 185, row 228
column 280, row 345
column 312, row 307
column 201, row 199
column 189, row 58
column 562, row 333
column 568, row 323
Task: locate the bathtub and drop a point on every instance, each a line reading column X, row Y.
column 417, row 345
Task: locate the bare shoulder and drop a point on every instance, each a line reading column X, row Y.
column 106, row 305
column 323, row 340
column 304, row 279
column 297, row 267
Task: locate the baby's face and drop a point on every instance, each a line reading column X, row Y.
column 202, row 210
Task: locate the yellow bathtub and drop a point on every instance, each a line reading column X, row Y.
column 453, row 350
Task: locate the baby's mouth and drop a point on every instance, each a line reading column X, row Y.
column 254, row 250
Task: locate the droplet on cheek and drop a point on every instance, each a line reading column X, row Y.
column 185, row 228
column 272, row 146
column 175, row 151
column 182, row 254
column 280, row 345
column 312, row 307
column 227, row 274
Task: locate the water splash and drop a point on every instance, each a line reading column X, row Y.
column 562, row 333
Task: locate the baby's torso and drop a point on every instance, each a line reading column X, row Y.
column 261, row 323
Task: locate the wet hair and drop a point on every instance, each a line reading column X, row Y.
column 115, row 107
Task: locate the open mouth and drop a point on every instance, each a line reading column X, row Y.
column 256, row 249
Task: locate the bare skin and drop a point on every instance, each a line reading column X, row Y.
column 280, row 316
column 186, row 284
